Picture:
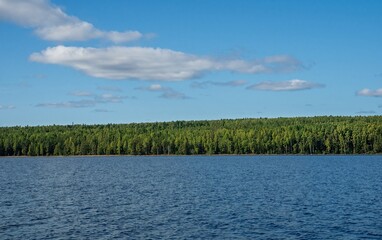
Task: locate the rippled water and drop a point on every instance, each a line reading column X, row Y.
column 222, row 197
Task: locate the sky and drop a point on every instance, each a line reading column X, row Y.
column 98, row 62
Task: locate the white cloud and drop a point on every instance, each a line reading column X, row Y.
column 5, row 107
column 290, row 85
column 89, row 100
column 120, row 37
column 110, row 89
column 234, row 83
column 101, row 110
column 69, row 104
column 174, row 95
column 366, row 112
column 109, row 98
column 51, row 23
column 81, row 94
column 167, row 92
column 152, row 63
column 370, row 93
column 155, row 87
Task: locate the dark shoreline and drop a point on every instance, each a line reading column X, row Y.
column 199, row 155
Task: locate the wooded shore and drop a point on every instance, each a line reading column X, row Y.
column 299, row 135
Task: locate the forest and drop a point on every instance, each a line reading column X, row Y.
column 298, row 135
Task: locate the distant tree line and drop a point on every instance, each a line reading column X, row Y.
column 305, row 135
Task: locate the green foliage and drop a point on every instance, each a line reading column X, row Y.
column 310, row 135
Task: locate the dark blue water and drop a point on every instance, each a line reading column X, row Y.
column 221, row 197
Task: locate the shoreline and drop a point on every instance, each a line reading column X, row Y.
column 190, row 155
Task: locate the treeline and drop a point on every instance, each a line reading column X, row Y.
column 306, row 135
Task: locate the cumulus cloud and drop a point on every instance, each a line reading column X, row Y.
column 146, row 63
column 51, row 23
column 5, row 107
column 370, row 93
column 290, row 85
column 167, row 92
column 234, row 83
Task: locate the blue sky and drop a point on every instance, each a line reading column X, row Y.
column 95, row 62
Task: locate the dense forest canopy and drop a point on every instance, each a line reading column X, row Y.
column 301, row 135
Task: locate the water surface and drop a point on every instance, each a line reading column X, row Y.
column 221, row 197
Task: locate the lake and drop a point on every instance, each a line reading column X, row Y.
column 187, row 197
